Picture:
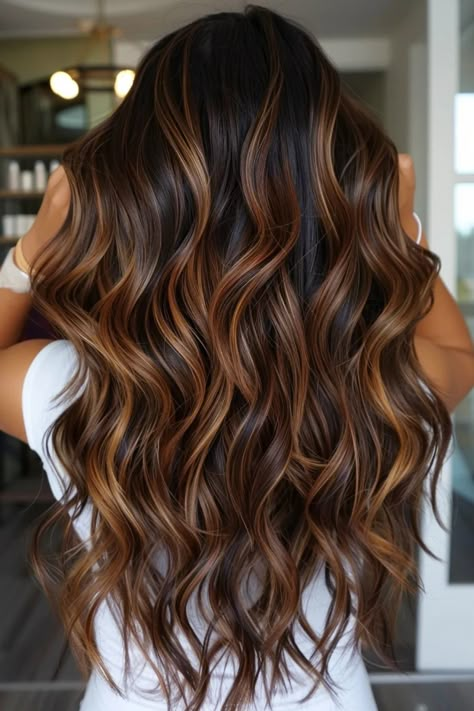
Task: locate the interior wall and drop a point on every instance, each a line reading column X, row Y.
column 33, row 59
column 467, row 59
column 369, row 87
column 349, row 54
column 409, row 31
column 406, row 94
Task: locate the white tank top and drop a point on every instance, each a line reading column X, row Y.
column 47, row 375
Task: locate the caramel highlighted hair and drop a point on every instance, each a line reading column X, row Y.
column 235, row 279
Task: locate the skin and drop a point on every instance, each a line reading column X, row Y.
column 16, row 357
column 442, row 340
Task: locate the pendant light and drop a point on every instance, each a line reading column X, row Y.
column 68, row 82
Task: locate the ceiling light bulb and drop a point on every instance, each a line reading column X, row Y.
column 123, row 82
column 64, row 85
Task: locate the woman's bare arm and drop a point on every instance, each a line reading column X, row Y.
column 443, row 343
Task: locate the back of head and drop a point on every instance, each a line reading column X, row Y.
column 235, row 278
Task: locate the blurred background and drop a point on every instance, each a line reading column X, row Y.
column 64, row 66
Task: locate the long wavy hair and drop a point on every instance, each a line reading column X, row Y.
column 235, row 278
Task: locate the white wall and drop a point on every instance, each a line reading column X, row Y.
column 349, row 55
column 406, row 94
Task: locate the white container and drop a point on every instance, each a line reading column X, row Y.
column 9, row 225
column 31, row 219
column 53, row 164
column 27, row 180
column 41, row 176
column 13, row 175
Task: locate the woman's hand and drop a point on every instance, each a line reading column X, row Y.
column 406, row 194
column 50, row 216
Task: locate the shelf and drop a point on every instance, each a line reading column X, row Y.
column 21, row 194
column 33, row 150
column 9, row 240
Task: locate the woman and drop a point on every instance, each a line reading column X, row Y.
column 252, row 382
